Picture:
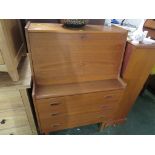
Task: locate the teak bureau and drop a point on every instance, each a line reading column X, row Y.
column 76, row 74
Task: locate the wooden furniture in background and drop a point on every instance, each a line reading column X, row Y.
column 15, row 111
column 150, row 27
column 11, row 47
column 76, row 74
column 137, row 65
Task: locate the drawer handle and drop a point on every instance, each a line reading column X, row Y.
column 56, row 103
column 3, row 121
column 54, row 114
column 108, row 96
column 56, row 125
column 106, row 107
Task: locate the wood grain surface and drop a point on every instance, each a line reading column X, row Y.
column 140, row 61
column 71, row 56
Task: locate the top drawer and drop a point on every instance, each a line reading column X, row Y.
column 75, row 104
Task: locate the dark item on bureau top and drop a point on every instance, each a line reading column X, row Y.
column 74, row 23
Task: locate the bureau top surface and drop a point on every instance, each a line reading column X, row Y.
column 78, row 88
column 50, row 27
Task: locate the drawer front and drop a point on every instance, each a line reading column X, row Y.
column 13, row 119
column 10, row 100
column 17, row 131
column 1, row 59
column 78, row 103
column 70, row 121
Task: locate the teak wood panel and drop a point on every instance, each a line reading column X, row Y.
column 64, row 122
column 77, row 88
column 78, row 103
column 52, row 27
column 75, row 57
column 60, row 113
column 140, row 60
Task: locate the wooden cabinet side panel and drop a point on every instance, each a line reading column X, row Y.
column 28, row 110
column 135, row 74
column 1, row 58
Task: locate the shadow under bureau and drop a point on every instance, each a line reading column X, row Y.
column 76, row 74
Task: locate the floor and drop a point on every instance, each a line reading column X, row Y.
column 140, row 121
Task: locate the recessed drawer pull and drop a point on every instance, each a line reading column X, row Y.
column 55, row 125
column 54, row 114
column 55, row 103
column 106, row 107
column 3, row 121
column 108, row 96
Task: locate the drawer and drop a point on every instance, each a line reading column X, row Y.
column 70, row 121
column 78, row 103
column 10, row 100
column 17, row 131
column 1, row 59
column 13, row 118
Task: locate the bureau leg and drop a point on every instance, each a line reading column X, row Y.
column 113, row 123
column 103, row 125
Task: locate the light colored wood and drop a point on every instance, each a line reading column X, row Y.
column 3, row 68
column 10, row 100
column 11, row 45
column 14, row 102
column 28, row 110
column 78, row 88
column 25, row 130
column 24, row 70
column 1, row 59
column 14, row 118
column 71, row 53
column 137, row 66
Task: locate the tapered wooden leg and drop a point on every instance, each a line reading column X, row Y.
column 113, row 123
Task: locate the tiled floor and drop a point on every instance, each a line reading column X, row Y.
column 140, row 121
